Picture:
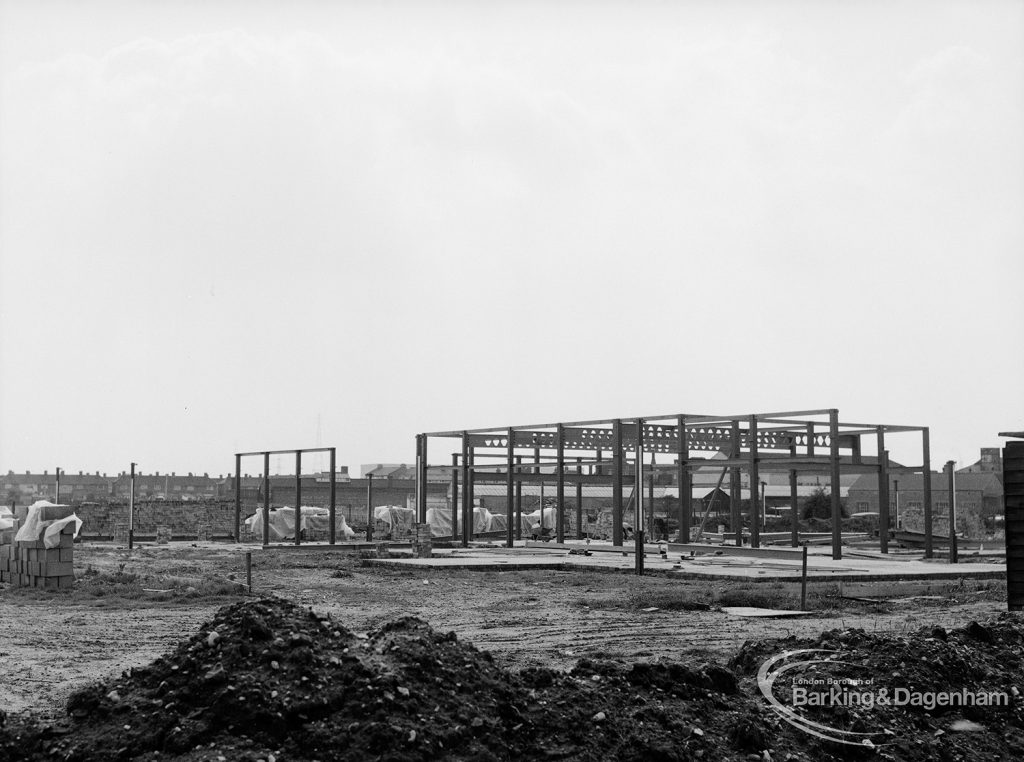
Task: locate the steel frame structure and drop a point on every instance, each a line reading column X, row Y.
column 598, row 452
column 266, row 491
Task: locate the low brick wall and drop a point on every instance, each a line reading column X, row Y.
column 209, row 518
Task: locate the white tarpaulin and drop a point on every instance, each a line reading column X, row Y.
column 282, row 522
column 6, row 518
column 499, row 523
column 47, row 530
column 440, row 520
column 534, row 519
column 395, row 519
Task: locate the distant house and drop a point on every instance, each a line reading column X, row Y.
column 389, row 471
column 978, row 496
column 157, row 486
column 26, row 488
column 82, row 488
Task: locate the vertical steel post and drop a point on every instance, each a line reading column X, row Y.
column 617, row 483
column 238, row 494
column 837, row 508
column 683, row 480
column 560, row 484
column 332, row 532
column 266, row 499
column 803, row 579
column 56, row 488
column 953, row 554
column 896, row 502
column 519, row 499
column 638, row 490
column 131, row 508
column 794, row 509
column 649, row 518
column 735, row 516
column 755, row 482
column 926, row 483
column 423, row 481
column 883, row 492
column 248, row 573
column 467, row 495
column 298, row 497
column 455, row 497
column 369, row 507
column 510, row 465
column 579, row 498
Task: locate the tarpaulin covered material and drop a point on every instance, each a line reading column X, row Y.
column 550, row 518
column 499, row 523
column 282, row 522
column 394, row 519
column 440, row 521
column 39, row 526
column 6, row 518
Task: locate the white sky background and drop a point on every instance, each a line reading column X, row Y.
column 243, row 226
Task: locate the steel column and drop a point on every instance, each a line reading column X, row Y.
column 238, row 494
column 510, row 488
column 455, row 497
column 638, row 534
column 617, row 483
column 298, row 497
column 837, row 508
column 369, row 507
column 131, row 509
column 519, row 501
column 926, row 483
column 883, row 492
column 683, row 479
column 755, row 483
column 953, row 554
column 332, row 532
column 467, row 497
column 794, row 509
column 560, row 484
column 579, row 499
column 266, row 499
column 735, row 517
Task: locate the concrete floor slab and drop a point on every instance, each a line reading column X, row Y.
column 715, row 564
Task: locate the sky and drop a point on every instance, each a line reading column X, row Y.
column 237, row 226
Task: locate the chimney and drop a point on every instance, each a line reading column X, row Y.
column 173, row 474
column 190, row 473
column 79, row 473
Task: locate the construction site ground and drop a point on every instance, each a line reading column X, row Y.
column 129, row 607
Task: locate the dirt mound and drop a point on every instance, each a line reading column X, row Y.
column 267, row 679
column 908, row 681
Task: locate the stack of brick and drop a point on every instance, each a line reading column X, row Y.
column 30, row 563
column 8, row 553
column 422, row 541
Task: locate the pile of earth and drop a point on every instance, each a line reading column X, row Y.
column 269, row 680
column 915, row 685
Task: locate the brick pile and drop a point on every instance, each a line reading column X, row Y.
column 422, row 541
column 31, row 564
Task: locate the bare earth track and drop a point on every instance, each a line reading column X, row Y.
column 54, row 643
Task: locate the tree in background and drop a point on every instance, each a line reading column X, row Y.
column 819, row 506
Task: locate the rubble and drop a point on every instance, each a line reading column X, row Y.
column 267, row 679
